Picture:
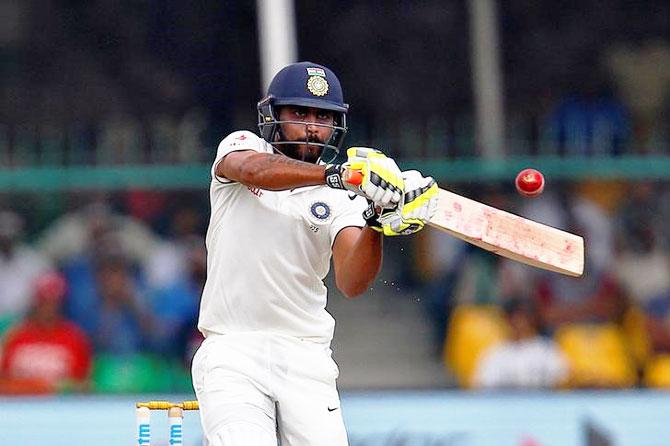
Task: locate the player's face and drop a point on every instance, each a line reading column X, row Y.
column 306, row 125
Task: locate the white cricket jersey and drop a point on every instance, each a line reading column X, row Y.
column 269, row 251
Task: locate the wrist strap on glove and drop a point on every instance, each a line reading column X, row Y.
column 371, row 217
column 333, row 176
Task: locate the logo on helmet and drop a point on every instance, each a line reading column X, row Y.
column 317, row 83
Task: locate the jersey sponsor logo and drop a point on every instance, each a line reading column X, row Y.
column 352, row 197
column 331, row 409
column 320, row 210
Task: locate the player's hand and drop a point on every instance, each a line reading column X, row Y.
column 380, row 178
column 417, row 207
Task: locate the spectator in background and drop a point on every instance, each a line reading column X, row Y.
column 527, row 359
column 175, row 305
column 642, row 264
column 20, row 265
column 107, row 298
column 590, row 121
column 595, row 297
column 437, row 258
column 642, row 75
column 563, row 300
column 657, row 313
column 124, row 324
column 81, row 241
column 169, row 261
column 76, row 233
column 46, row 352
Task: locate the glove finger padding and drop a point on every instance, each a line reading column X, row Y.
column 382, row 180
column 393, row 224
column 417, row 207
column 420, row 199
column 362, row 152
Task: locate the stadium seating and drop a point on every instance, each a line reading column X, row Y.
column 637, row 337
column 598, row 356
column 472, row 329
column 657, row 372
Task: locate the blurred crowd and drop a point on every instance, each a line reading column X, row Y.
column 104, row 297
column 512, row 326
column 101, row 300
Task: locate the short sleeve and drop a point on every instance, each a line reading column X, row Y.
column 236, row 142
column 351, row 214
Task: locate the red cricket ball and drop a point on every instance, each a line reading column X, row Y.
column 529, row 182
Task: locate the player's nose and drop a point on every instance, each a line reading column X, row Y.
column 312, row 132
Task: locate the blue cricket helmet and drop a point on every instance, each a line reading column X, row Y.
column 308, row 84
column 305, row 84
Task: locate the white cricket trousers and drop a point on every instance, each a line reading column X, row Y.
column 254, row 388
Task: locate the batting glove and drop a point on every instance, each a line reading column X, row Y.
column 371, row 216
column 381, row 180
column 417, row 207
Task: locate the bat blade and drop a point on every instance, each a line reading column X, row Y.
column 509, row 235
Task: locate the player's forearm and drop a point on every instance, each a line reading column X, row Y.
column 271, row 172
column 361, row 264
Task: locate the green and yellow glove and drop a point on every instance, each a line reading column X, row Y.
column 415, row 210
column 380, row 179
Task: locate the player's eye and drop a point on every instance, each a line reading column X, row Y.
column 325, row 116
column 299, row 113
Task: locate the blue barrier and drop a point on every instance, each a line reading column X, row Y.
column 377, row 418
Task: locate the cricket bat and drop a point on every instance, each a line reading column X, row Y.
column 506, row 234
column 509, row 235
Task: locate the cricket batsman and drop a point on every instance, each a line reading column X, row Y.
column 280, row 210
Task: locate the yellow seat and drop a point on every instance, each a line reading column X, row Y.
column 635, row 329
column 597, row 355
column 657, row 372
column 472, row 330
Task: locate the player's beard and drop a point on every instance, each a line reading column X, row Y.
column 302, row 150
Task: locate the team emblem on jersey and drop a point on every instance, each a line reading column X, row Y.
column 317, row 83
column 320, row 210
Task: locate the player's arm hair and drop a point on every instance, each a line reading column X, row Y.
column 269, row 171
column 357, row 259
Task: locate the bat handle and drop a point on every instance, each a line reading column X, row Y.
column 353, row 177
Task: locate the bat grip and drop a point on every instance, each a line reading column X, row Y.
column 353, row 177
